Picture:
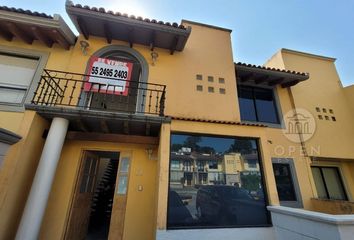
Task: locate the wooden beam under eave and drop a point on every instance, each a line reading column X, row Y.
column 289, row 84
column 60, row 39
column 261, row 80
column 104, row 126
column 174, row 45
column 107, row 32
column 130, row 36
column 126, row 127
column 83, row 28
column 41, row 37
column 101, row 137
column 6, row 34
column 147, row 129
column 82, row 126
column 19, row 33
column 276, row 81
column 152, row 40
column 247, row 78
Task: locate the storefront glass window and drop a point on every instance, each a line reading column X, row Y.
column 219, row 185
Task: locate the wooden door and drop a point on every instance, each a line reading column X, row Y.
column 120, row 197
column 81, row 206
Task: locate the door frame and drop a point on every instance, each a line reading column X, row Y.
column 290, row 161
column 122, row 154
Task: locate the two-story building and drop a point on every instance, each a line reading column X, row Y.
column 143, row 129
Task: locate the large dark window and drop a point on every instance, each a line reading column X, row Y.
column 328, row 183
column 218, row 183
column 257, row 104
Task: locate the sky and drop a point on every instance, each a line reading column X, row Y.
column 260, row 27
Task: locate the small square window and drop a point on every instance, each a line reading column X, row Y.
column 221, row 80
column 324, row 110
column 199, row 88
column 210, row 89
column 320, row 117
column 199, row 77
column 318, row 109
column 210, row 79
column 222, row 90
column 326, row 117
column 334, row 119
column 331, row 111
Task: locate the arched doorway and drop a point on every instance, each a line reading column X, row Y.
column 120, row 94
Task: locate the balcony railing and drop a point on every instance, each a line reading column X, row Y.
column 65, row 89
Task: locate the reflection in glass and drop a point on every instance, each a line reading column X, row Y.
column 328, row 183
column 257, row 104
column 124, row 165
column 283, row 179
column 215, row 182
column 122, row 185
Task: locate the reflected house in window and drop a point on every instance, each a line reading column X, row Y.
column 236, row 165
column 215, row 181
column 190, row 169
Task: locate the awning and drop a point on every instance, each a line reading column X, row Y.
column 260, row 75
column 28, row 26
column 135, row 30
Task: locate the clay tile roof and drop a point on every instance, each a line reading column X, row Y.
column 27, row 12
column 102, row 10
column 271, row 69
column 218, row 121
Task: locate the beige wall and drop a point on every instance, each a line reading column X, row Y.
column 140, row 210
column 324, row 90
column 349, row 93
column 332, row 139
column 17, row 172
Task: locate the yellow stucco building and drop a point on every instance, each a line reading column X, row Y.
column 141, row 129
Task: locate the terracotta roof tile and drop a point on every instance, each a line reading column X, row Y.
column 102, row 10
column 217, row 121
column 27, row 12
column 271, row 69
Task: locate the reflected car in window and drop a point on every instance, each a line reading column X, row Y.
column 178, row 212
column 229, row 205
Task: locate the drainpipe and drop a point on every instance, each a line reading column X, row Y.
column 299, row 130
column 301, row 137
column 38, row 197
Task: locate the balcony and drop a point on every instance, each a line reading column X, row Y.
column 114, row 106
column 57, row 88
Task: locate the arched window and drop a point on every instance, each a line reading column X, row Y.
column 127, row 98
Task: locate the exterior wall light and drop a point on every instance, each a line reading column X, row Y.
column 154, row 56
column 84, row 45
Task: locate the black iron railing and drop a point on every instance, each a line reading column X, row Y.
column 57, row 88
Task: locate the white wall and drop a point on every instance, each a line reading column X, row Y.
column 294, row 224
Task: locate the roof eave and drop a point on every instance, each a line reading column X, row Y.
column 300, row 77
column 82, row 13
column 56, row 23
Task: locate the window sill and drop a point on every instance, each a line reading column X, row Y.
column 12, row 107
column 219, row 227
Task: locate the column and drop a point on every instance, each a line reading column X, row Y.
column 37, row 200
